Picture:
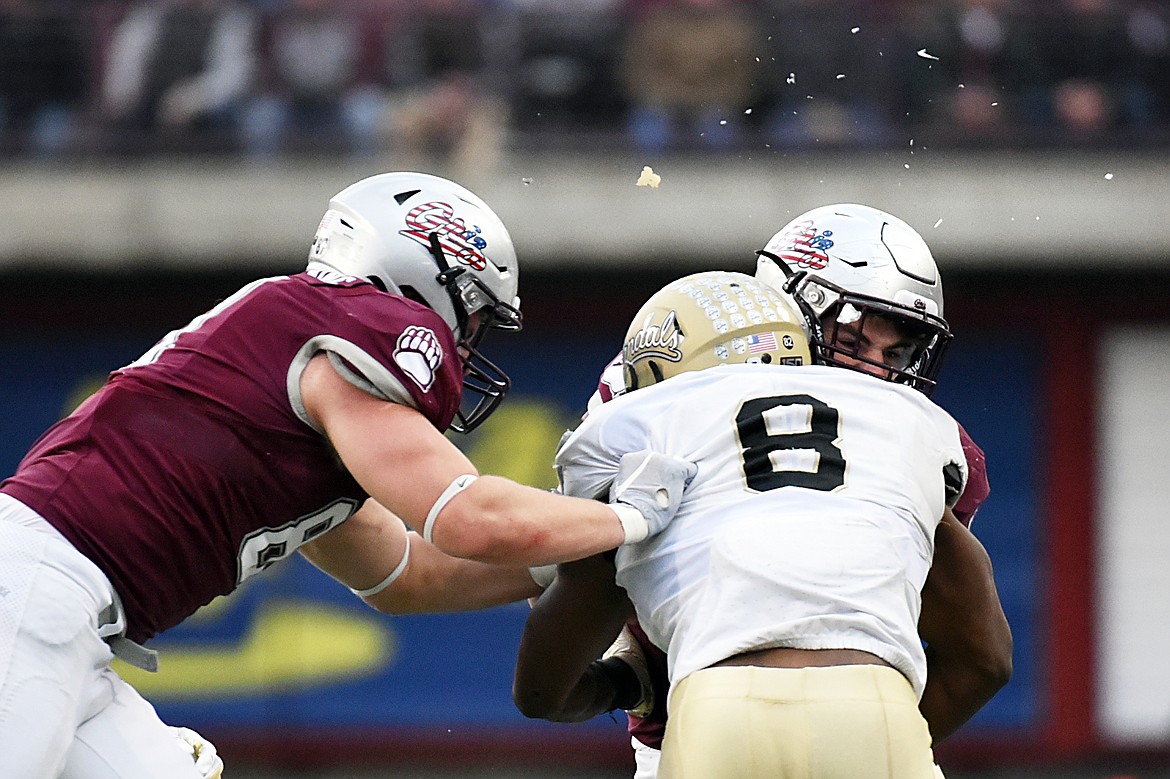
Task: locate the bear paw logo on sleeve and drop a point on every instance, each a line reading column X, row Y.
column 418, row 353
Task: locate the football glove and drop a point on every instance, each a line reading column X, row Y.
column 202, row 751
column 651, row 484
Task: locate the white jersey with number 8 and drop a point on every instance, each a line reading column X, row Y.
column 810, row 523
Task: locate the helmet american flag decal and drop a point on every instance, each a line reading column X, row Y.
column 761, row 342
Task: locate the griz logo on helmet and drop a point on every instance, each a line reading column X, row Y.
column 465, row 245
column 803, row 246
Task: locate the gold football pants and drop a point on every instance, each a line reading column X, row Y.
column 840, row 722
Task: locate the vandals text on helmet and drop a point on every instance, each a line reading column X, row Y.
column 663, row 341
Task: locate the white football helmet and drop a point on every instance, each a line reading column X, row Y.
column 708, row 319
column 432, row 241
column 846, row 261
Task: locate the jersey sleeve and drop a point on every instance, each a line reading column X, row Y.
column 588, row 458
column 978, row 487
column 390, row 347
column 584, row 467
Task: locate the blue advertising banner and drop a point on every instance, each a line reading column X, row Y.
column 293, row 648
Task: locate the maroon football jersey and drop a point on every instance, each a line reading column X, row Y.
column 977, row 488
column 194, row 467
column 650, row 729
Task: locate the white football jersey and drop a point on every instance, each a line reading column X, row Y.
column 811, row 520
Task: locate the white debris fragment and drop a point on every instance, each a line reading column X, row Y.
column 840, row 76
column 791, row 78
column 748, row 111
column 936, row 224
column 1109, row 177
column 922, row 53
column 855, row 30
column 648, row 178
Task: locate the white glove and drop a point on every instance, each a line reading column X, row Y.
column 652, row 485
column 207, row 761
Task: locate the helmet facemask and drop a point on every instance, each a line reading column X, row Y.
column 829, row 308
column 477, row 310
column 925, row 344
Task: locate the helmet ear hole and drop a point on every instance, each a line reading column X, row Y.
column 377, row 282
column 656, row 370
column 410, row 293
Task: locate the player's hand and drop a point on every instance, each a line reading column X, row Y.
column 652, row 483
column 207, row 761
column 627, row 649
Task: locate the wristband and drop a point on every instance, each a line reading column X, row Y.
column 634, row 525
column 389, row 579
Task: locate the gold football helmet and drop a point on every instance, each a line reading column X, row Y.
column 712, row 318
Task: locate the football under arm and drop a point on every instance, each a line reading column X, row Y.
column 968, row 640
column 558, row 676
column 373, row 552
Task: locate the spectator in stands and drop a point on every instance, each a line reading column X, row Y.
column 44, row 76
column 564, row 83
column 180, row 68
column 688, row 71
column 1148, row 26
column 829, row 78
column 1101, row 55
column 447, row 102
column 319, row 79
column 981, row 76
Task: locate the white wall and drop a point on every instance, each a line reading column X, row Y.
column 1133, row 620
column 1084, row 210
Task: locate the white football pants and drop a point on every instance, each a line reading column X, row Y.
column 64, row 713
column 646, row 760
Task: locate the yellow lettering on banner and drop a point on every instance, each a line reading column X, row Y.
column 290, row 645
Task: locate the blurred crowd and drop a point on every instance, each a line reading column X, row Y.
column 465, row 80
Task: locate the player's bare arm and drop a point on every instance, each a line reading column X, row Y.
column 409, row 467
column 557, row 675
column 373, row 552
column 969, row 642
